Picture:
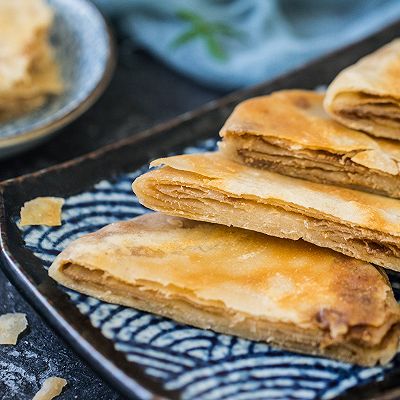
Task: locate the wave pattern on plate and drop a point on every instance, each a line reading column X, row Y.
column 200, row 364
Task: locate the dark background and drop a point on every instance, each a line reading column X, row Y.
column 141, row 94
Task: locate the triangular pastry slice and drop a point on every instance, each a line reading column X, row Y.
column 210, row 187
column 290, row 133
column 366, row 95
column 290, row 294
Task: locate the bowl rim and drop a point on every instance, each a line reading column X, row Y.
column 36, row 134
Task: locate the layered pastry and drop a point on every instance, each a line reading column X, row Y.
column 209, row 187
column 28, row 71
column 290, row 294
column 290, row 133
column 366, row 95
column 23, row 27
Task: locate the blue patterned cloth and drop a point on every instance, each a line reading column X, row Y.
column 232, row 43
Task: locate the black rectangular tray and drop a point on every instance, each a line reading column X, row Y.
column 27, row 273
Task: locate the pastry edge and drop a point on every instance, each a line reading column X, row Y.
column 207, row 320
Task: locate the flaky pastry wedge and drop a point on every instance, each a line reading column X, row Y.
column 210, row 187
column 290, row 133
column 290, row 294
column 366, row 95
column 44, row 80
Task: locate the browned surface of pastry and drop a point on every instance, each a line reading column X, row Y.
column 366, row 95
column 290, row 133
column 288, row 293
column 209, row 187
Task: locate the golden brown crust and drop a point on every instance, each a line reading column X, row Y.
column 296, row 116
column 211, row 188
column 366, row 95
column 290, row 133
column 291, row 294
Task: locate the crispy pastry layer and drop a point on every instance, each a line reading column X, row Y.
column 290, row 133
column 287, row 293
column 209, row 187
column 366, row 95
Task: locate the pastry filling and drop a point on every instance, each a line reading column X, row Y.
column 368, row 107
column 376, row 116
column 315, row 165
column 333, row 330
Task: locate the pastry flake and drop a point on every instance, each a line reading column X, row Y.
column 366, row 95
column 51, row 388
column 11, row 325
column 291, row 294
column 42, row 211
column 209, row 187
column 290, row 133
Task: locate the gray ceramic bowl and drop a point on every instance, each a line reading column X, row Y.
column 84, row 50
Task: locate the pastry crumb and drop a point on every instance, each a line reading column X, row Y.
column 42, row 211
column 11, row 325
column 51, row 387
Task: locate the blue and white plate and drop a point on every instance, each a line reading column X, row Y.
column 84, row 50
column 198, row 364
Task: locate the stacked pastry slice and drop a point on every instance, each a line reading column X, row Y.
column 289, row 132
column 28, row 72
column 366, row 95
column 233, row 256
column 291, row 294
column 209, row 187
